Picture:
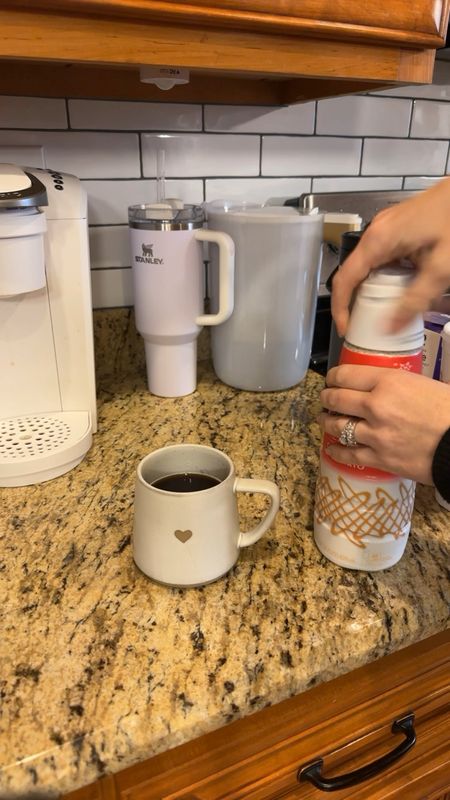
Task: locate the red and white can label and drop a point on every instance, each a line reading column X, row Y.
column 411, row 362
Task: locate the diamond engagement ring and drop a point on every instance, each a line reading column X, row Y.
column 347, row 437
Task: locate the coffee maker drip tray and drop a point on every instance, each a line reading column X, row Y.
column 37, row 447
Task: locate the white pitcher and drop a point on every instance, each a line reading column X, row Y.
column 266, row 344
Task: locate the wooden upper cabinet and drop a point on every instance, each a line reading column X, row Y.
column 237, row 50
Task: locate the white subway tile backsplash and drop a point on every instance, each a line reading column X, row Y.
column 109, row 246
column 355, row 184
column 363, row 116
column 87, row 155
column 420, row 183
column 404, row 157
column 94, row 155
column 119, row 115
column 254, row 154
column 32, row 112
column 190, row 155
column 23, row 156
column 255, row 190
column 111, row 288
column 261, row 119
column 431, row 120
column 310, row 155
column 108, row 201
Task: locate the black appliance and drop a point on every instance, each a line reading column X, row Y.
column 366, row 204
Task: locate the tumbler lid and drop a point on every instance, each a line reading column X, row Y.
column 171, row 215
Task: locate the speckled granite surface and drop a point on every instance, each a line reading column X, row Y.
column 101, row 668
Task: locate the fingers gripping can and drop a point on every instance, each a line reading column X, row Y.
column 362, row 516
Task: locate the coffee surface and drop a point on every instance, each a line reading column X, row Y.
column 186, row 482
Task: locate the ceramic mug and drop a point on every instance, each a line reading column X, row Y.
column 186, row 521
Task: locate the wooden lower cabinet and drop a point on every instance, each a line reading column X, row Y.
column 347, row 722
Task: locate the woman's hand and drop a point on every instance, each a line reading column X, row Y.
column 401, row 418
column 417, row 229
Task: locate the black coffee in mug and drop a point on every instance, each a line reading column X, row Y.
column 186, row 482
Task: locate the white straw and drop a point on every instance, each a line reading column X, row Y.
column 160, row 175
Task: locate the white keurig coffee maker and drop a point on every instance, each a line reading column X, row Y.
column 47, row 394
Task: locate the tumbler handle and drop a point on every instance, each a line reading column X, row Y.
column 226, row 275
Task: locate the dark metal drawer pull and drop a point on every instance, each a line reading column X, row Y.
column 312, row 772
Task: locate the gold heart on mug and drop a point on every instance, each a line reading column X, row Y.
column 183, row 536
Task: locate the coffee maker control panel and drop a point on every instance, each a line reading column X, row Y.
column 67, row 198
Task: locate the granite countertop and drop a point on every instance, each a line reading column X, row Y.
column 101, row 668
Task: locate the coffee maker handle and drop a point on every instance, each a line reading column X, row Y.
column 261, row 487
column 226, row 275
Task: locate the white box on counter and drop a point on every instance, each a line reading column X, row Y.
column 434, row 322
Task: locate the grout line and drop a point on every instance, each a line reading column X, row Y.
column 447, row 165
column 410, row 119
column 262, row 105
column 186, row 133
column 361, row 157
column 260, row 156
column 109, row 308
column 141, row 163
column 276, row 179
column 113, row 266
column 260, row 178
column 315, row 117
column 203, row 118
column 66, row 102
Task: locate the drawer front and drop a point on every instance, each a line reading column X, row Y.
column 273, row 774
column 346, row 722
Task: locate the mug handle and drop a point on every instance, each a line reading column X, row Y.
column 226, row 275
column 263, row 487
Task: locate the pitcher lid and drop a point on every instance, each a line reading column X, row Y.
column 248, row 212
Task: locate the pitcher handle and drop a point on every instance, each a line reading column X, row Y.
column 226, row 275
column 263, row 487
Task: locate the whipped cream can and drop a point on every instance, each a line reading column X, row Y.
column 362, row 516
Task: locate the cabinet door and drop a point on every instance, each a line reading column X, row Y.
column 397, row 15
column 347, row 722
column 238, row 51
column 410, row 23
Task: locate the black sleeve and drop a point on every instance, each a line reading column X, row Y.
column 440, row 468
